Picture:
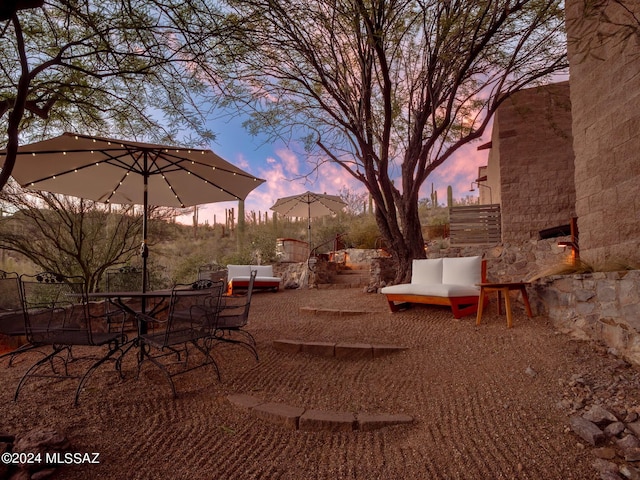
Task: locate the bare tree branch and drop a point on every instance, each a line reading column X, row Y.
column 389, row 89
column 67, row 235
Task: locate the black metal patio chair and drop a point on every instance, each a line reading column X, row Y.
column 193, row 310
column 234, row 317
column 56, row 316
column 12, row 323
column 122, row 279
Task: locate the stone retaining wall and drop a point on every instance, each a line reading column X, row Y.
column 298, row 275
column 603, row 306
column 505, row 262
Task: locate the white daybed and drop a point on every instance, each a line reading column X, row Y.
column 441, row 281
column 238, row 276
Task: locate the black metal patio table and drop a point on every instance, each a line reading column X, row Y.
column 119, row 299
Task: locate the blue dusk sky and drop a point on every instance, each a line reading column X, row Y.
column 282, row 166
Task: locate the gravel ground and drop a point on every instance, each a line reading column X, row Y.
column 488, row 402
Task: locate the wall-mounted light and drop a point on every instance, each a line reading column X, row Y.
column 573, row 243
column 485, row 186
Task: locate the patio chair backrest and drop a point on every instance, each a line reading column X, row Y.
column 11, row 313
column 204, row 310
column 10, row 298
column 127, row 278
column 212, row 271
column 53, row 302
column 124, row 279
column 192, row 316
column 235, row 308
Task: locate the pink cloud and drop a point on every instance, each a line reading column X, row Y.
column 458, row 171
column 283, row 171
column 289, row 160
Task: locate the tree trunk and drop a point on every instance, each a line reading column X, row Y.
column 16, row 114
column 406, row 242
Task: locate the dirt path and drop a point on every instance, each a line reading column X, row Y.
column 485, row 401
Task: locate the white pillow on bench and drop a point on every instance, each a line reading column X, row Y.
column 426, row 271
column 262, row 270
column 235, row 271
column 462, row 271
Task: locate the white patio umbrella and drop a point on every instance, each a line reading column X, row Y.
column 308, row 205
column 124, row 172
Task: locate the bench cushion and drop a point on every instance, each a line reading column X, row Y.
column 426, row 271
column 263, row 270
column 258, row 279
column 462, row 270
column 234, row 271
column 237, row 271
column 435, row 290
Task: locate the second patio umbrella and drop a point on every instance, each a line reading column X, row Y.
column 124, row 172
column 308, row 205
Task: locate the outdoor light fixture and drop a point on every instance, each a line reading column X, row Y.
column 575, row 251
column 573, row 243
column 485, row 186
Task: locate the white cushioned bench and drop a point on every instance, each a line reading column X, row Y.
column 441, row 281
column 238, row 276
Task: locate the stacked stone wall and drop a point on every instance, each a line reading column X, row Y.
column 605, row 98
column 536, row 161
column 505, row 262
column 603, row 306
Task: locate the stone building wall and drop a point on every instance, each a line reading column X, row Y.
column 493, row 165
column 605, row 98
column 532, row 135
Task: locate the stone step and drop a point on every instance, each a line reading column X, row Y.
column 345, row 351
column 349, row 278
column 300, row 418
column 353, row 271
column 353, row 276
column 337, row 286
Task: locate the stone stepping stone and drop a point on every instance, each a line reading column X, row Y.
column 298, row 418
column 333, row 311
column 346, row 351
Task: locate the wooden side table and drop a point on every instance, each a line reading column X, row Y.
column 503, row 289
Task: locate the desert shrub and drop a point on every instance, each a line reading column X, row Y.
column 362, row 232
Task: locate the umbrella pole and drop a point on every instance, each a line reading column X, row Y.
column 309, row 224
column 144, row 250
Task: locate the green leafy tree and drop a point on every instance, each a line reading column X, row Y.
column 388, row 89
column 102, row 66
